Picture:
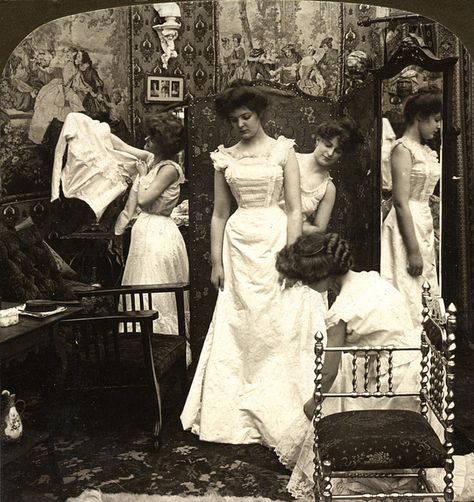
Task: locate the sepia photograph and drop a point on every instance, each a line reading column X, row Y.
column 236, row 251
column 164, row 89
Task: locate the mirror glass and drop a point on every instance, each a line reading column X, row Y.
column 425, row 184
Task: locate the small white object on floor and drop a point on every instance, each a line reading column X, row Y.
column 98, row 496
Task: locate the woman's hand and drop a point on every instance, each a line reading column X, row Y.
column 217, row 277
column 142, row 168
column 415, row 263
column 309, row 408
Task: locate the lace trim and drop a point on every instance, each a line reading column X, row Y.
column 313, row 191
column 300, row 489
column 409, row 143
column 219, row 159
column 281, row 140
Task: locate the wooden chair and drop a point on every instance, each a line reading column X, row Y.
column 390, row 443
column 119, row 349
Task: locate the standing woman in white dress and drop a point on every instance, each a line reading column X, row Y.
column 408, row 242
column 334, row 139
column 157, row 253
column 243, row 389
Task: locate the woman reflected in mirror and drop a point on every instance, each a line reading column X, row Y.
column 408, row 255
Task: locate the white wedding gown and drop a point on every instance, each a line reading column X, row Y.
column 256, row 364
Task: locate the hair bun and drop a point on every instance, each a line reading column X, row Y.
column 338, row 248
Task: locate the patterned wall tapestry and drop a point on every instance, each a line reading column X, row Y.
column 283, row 41
column 195, row 61
column 77, row 63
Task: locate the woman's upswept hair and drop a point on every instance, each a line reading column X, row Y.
column 312, row 258
column 240, row 93
column 346, row 129
column 167, row 130
column 424, row 102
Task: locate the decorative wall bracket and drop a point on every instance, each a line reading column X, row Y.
column 168, row 30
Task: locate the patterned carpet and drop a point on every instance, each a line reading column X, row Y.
column 106, row 444
column 110, row 449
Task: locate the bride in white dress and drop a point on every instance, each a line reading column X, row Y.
column 248, row 378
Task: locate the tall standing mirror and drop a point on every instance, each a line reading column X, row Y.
column 419, row 178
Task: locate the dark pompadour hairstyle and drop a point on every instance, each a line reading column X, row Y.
column 425, row 103
column 240, row 93
column 346, row 129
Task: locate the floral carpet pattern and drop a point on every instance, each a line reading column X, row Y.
column 118, row 457
column 106, row 444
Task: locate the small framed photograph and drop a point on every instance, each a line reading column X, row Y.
column 164, row 89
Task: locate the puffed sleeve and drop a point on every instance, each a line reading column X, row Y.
column 282, row 149
column 343, row 309
column 219, row 159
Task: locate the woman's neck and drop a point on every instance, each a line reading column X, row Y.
column 413, row 133
column 258, row 138
column 315, row 167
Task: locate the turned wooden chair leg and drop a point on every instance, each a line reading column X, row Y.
column 327, row 485
column 146, row 330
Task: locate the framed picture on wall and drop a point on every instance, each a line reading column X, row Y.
column 164, row 89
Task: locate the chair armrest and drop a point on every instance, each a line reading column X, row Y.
column 129, row 316
column 145, row 288
column 68, row 303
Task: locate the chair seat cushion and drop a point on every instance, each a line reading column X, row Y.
column 167, row 349
column 123, row 364
column 379, row 439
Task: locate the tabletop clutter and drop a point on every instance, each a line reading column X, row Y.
column 36, row 308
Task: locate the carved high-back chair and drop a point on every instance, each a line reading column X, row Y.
column 395, row 442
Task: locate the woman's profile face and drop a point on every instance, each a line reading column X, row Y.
column 152, row 146
column 429, row 126
column 245, row 121
column 327, row 151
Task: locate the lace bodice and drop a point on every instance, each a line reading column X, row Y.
column 255, row 180
column 311, row 195
column 426, row 169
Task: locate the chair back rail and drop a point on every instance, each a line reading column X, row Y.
column 368, row 362
column 373, row 377
column 139, row 297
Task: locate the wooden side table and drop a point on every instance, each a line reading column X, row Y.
column 16, row 342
